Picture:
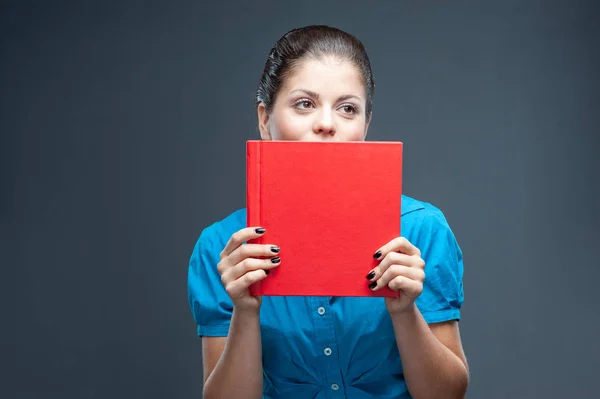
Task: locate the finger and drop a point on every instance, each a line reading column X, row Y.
column 239, row 287
column 248, row 265
column 252, row 251
column 398, row 244
column 412, row 288
column 394, row 271
column 239, row 237
column 392, row 258
column 246, row 251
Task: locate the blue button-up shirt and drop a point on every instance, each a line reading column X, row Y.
column 332, row 347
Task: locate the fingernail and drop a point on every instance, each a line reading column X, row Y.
column 377, row 254
column 373, row 285
column 275, row 260
column 267, row 272
column 371, row 275
column 259, row 230
column 275, row 249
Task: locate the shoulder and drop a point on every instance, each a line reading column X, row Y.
column 214, row 237
column 421, row 215
column 218, row 232
column 426, row 226
column 208, row 247
column 208, row 300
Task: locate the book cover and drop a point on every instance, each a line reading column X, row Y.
column 329, row 206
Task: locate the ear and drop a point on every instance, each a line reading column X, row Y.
column 263, row 122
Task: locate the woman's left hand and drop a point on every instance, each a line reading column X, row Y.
column 401, row 269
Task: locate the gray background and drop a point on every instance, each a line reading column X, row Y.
column 123, row 130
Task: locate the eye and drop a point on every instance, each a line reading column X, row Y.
column 349, row 109
column 303, row 104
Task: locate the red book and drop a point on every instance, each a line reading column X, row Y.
column 329, row 206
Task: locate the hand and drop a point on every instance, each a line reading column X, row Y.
column 242, row 265
column 401, row 269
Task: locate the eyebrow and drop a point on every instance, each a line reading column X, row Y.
column 316, row 95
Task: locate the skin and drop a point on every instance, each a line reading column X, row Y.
column 320, row 100
column 325, row 99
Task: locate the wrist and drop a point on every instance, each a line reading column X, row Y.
column 246, row 313
column 405, row 314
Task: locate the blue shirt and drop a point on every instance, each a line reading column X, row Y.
column 332, row 347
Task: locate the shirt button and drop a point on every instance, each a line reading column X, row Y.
column 321, row 311
column 327, row 351
column 335, row 387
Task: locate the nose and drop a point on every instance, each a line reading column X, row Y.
column 324, row 124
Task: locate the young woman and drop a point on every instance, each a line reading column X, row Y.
column 317, row 85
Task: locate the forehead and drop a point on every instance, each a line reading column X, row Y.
column 325, row 75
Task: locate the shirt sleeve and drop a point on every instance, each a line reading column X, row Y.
column 208, row 300
column 442, row 296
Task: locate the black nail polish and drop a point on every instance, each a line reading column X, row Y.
column 371, row 275
column 259, row 230
column 373, row 285
column 275, row 249
column 377, row 254
column 267, row 272
column 275, row 260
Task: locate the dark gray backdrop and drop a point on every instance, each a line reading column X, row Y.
column 123, row 128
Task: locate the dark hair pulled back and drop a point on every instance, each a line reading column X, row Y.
column 314, row 41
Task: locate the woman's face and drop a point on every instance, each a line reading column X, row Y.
column 320, row 100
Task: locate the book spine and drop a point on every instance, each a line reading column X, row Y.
column 253, row 194
column 401, row 154
column 253, row 183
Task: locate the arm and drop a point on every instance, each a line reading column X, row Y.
column 233, row 364
column 432, row 356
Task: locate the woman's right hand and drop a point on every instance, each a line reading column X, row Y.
column 242, row 265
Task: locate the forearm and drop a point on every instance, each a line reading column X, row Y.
column 431, row 369
column 238, row 373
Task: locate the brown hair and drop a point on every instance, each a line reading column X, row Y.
column 314, row 41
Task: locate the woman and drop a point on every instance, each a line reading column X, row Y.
column 317, row 85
